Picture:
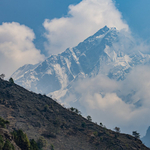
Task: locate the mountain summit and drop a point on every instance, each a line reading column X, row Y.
column 57, row 73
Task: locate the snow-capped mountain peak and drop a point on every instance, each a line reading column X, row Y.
column 58, row 72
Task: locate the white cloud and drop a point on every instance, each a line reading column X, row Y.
column 83, row 20
column 102, row 98
column 138, row 80
column 16, row 47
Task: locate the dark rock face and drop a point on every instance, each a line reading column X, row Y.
column 38, row 115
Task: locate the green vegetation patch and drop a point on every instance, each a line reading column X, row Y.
column 3, row 122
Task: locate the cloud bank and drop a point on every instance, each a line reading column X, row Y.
column 16, row 47
column 83, row 20
column 104, row 99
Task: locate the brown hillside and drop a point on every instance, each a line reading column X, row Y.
column 38, row 115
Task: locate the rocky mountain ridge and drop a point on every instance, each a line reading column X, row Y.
column 56, row 73
column 106, row 48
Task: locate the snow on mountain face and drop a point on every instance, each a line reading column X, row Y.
column 57, row 73
column 22, row 70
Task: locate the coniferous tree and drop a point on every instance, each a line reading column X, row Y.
column 1, row 142
column 136, row 134
column 11, row 80
column 2, row 76
column 8, row 146
column 33, row 145
column 117, row 129
column 89, row 118
column 41, row 142
column 21, row 139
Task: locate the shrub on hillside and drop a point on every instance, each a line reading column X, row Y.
column 89, row 118
column 136, row 134
column 8, row 146
column 1, row 142
column 33, row 145
column 3, row 123
column 75, row 110
column 11, row 80
column 117, row 129
column 41, row 142
column 21, row 139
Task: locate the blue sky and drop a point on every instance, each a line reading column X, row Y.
column 68, row 23
column 32, row 13
column 136, row 14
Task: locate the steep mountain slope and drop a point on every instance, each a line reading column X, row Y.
column 38, row 115
column 56, row 74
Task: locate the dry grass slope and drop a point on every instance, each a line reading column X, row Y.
column 38, row 115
